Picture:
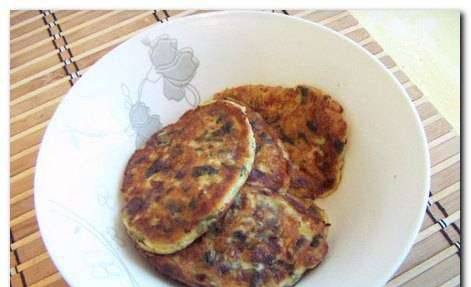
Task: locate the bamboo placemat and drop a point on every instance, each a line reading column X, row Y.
column 50, row 50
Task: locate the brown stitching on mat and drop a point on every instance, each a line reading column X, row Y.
column 458, row 245
column 73, row 75
column 157, row 16
column 166, row 14
column 442, row 231
column 445, row 213
column 15, row 253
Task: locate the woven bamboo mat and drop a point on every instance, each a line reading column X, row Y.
column 50, row 50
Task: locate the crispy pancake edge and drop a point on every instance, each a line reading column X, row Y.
column 335, row 169
column 165, row 265
column 171, row 267
column 203, row 225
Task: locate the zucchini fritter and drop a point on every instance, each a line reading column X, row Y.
column 310, row 124
column 271, row 166
column 186, row 176
column 266, row 239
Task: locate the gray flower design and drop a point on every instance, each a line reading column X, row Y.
column 176, row 67
column 142, row 121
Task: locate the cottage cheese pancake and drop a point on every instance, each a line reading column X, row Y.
column 271, row 166
column 186, row 176
column 266, row 239
column 310, row 124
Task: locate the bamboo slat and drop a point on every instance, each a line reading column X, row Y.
column 423, row 266
column 50, row 39
column 87, row 19
column 446, row 177
column 13, row 261
column 111, row 32
column 15, row 281
column 342, row 23
column 320, row 15
column 89, row 60
column 426, row 110
column 445, row 192
column 21, row 196
column 440, row 128
column 21, row 208
column 28, row 68
column 32, row 52
column 445, row 150
column 27, row 29
column 14, row 27
column 31, row 249
column 388, row 62
column 438, row 226
column 52, row 280
column 35, row 95
column 428, row 221
column 27, row 103
column 123, row 24
column 81, row 31
column 448, row 269
column 35, row 116
column 373, row 47
column 453, row 282
column 37, row 81
column 25, row 162
column 28, row 138
column 445, row 163
column 22, row 217
column 32, row 262
column 24, row 229
column 451, row 203
column 39, row 270
column 25, row 38
column 68, row 13
column 454, row 231
column 414, row 92
column 28, row 39
column 15, row 15
column 422, row 251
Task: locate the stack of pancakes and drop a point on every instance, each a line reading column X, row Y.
column 225, row 196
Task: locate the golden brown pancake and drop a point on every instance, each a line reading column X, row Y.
column 267, row 238
column 186, row 176
column 271, row 166
column 312, row 127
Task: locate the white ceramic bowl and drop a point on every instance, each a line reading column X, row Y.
column 151, row 79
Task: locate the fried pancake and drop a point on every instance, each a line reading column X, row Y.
column 266, row 239
column 186, row 176
column 311, row 126
column 271, row 166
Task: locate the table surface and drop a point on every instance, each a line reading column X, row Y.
column 426, row 45
column 51, row 50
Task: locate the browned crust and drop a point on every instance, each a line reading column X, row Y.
column 161, row 187
column 207, row 261
column 312, row 127
column 270, row 169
